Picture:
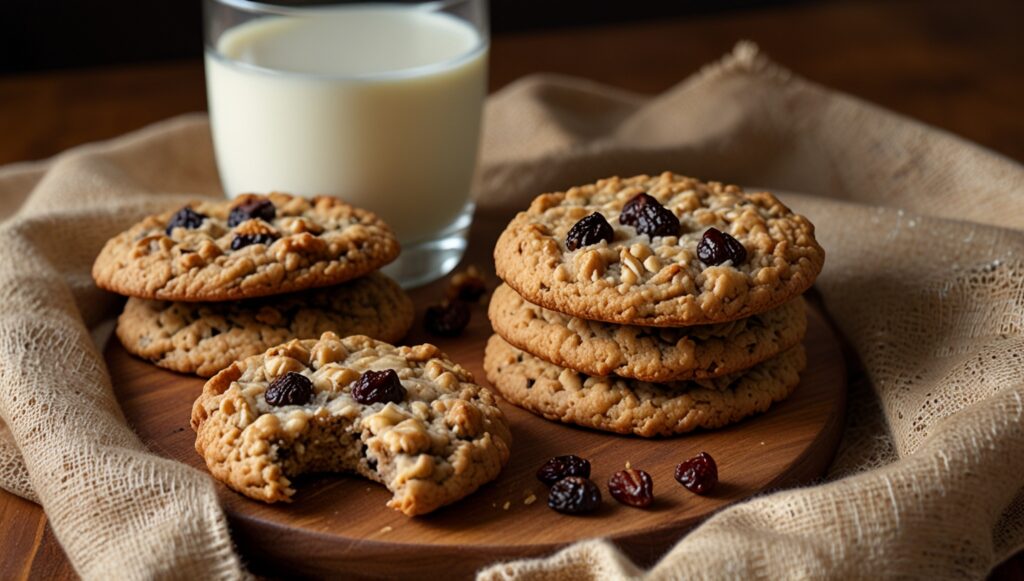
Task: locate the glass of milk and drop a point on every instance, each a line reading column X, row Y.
column 376, row 103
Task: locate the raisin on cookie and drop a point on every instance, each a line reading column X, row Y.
column 248, row 247
column 305, row 407
column 628, row 406
column 203, row 338
column 649, row 271
column 655, row 354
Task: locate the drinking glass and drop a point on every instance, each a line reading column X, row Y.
column 377, row 103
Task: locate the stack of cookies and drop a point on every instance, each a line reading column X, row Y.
column 651, row 305
column 219, row 281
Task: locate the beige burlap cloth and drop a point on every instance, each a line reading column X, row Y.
column 925, row 277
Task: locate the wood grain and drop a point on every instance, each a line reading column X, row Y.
column 340, row 523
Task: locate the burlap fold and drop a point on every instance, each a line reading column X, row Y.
column 925, row 277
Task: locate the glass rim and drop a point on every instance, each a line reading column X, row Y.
column 429, row 7
column 254, row 6
column 395, row 75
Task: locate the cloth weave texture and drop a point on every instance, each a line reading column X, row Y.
column 924, row 277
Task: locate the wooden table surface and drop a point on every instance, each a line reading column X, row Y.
column 945, row 63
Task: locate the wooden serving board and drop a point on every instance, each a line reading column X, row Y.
column 340, row 524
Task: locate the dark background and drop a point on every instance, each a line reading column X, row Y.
column 38, row 35
column 73, row 72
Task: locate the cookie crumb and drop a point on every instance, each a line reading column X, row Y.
column 506, row 505
column 467, row 285
column 386, row 529
column 530, row 499
column 629, row 466
column 762, row 443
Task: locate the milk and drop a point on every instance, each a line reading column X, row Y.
column 378, row 105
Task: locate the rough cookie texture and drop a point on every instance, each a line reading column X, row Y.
column 203, row 338
column 445, row 439
column 629, row 406
column 309, row 243
column 659, row 282
column 656, row 354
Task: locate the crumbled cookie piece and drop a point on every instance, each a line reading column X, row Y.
column 468, row 285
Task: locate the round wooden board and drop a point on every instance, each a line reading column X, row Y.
column 340, row 524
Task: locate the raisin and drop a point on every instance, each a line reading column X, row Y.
column 589, row 230
column 290, row 389
column 716, row 247
column 243, row 240
column 378, row 387
column 447, row 319
column 559, row 467
column 649, row 217
column 632, row 487
column 258, row 208
column 574, row 495
column 185, row 218
column 632, row 209
column 698, row 474
column 658, row 221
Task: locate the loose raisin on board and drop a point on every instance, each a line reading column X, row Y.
column 715, row 247
column 447, row 319
column 559, row 467
column 698, row 474
column 185, row 218
column 290, row 389
column 649, row 217
column 378, row 386
column 243, row 240
column 574, row 495
column 262, row 209
column 632, row 487
column 589, row 230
